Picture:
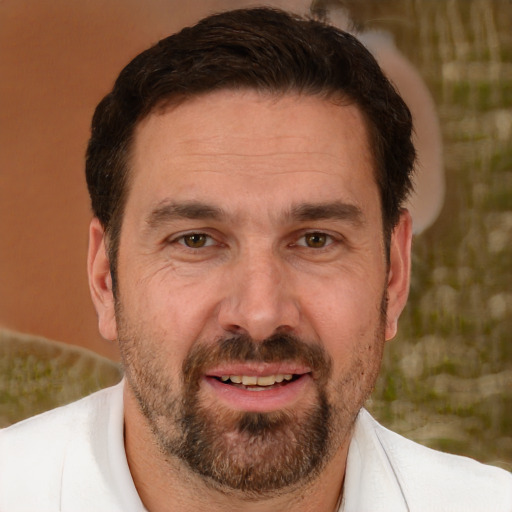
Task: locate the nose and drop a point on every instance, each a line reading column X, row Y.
column 259, row 299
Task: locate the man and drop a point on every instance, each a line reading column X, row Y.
column 250, row 255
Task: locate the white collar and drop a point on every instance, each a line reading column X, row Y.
column 370, row 480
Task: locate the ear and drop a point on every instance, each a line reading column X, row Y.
column 100, row 281
column 399, row 272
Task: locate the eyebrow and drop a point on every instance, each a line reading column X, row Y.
column 335, row 210
column 303, row 212
column 169, row 211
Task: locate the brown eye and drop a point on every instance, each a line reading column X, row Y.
column 195, row 240
column 316, row 240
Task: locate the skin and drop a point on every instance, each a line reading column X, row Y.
column 260, row 162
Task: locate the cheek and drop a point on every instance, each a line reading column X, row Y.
column 344, row 309
column 170, row 312
column 347, row 322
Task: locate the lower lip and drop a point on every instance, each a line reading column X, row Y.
column 266, row 400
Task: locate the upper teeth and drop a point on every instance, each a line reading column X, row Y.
column 253, row 380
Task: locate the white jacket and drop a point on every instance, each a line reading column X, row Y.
column 72, row 459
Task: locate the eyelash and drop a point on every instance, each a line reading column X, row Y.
column 210, row 241
column 328, row 239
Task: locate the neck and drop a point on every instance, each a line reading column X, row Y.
column 168, row 485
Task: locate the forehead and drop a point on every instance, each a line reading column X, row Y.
column 246, row 143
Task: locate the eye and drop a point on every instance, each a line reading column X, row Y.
column 315, row 240
column 196, row 240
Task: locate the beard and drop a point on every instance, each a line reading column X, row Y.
column 259, row 454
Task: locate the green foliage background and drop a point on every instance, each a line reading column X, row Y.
column 447, row 378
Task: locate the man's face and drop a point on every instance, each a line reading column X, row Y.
column 253, row 284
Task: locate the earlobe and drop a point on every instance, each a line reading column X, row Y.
column 399, row 272
column 100, row 281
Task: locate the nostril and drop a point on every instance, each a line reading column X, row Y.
column 257, row 311
column 234, row 329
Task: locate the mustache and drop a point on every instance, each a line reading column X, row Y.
column 279, row 347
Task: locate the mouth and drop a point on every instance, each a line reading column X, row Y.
column 258, row 389
column 259, row 382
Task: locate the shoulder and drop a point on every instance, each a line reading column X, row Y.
column 432, row 480
column 60, row 423
column 34, row 452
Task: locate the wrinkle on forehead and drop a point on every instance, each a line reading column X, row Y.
column 261, row 145
column 221, row 137
column 268, row 172
column 261, row 162
column 295, row 130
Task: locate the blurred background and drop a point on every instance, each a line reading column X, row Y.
column 447, row 377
